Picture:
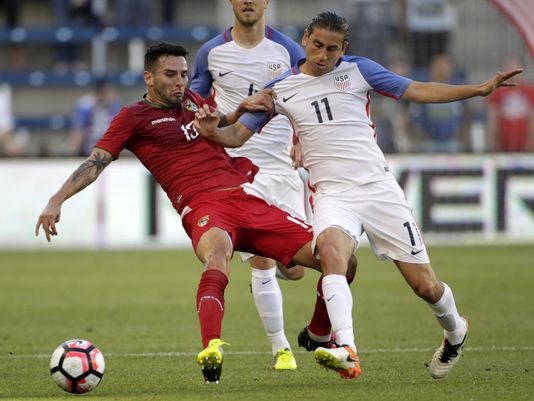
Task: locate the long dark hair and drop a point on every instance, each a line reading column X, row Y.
column 331, row 21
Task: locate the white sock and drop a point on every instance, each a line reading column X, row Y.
column 454, row 326
column 338, row 299
column 268, row 299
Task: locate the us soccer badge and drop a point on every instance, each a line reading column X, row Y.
column 203, row 221
column 342, row 82
column 273, row 70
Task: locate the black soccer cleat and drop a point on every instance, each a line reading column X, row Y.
column 305, row 341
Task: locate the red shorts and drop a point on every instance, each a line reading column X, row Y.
column 253, row 225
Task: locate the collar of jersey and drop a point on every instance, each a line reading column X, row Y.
column 154, row 104
column 227, row 34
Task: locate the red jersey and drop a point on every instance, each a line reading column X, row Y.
column 514, row 111
column 166, row 142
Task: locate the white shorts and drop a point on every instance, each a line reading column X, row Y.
column 380, row 210
column 283, row 191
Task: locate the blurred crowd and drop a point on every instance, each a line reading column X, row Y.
column 409, row 37
column 76, row 14
column 423, row 35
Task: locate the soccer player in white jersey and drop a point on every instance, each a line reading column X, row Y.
column 326, row 96
column 228, row 68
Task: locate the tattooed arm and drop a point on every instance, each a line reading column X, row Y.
column 84, row 175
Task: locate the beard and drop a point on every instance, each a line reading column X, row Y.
column 169, row 100
column 249, row 20
column 175, row 101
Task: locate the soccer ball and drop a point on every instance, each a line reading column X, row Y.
column 77, row 366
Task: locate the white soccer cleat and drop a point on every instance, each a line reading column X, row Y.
column 446, row 357
column 343, row 360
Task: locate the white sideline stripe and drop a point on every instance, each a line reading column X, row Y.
column 229, row 351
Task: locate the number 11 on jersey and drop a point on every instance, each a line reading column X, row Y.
column 315, row 104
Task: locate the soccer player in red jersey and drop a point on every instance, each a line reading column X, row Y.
column 202, row 182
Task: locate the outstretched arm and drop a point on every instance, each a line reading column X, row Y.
column 84, row 175
column 207, row 124
column 260, row 101
column 433, row 92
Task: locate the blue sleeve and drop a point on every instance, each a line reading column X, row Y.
column 270, row 85
column 296, row 52
column 383, row 81
column 202, row 79
column 254, row 121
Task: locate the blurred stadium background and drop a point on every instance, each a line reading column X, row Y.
column 53, row 52
column 138, row 307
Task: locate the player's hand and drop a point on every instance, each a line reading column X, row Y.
column 48, row 219
column 260, row 101
column 501, row 79
column 297, row 155
column 206, row 121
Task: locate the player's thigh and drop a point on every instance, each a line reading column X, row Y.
column 389, row 223
column 305, row 257
column 290, row 273
column 329, row 213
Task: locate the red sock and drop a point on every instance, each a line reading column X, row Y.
column 320, row 322
column 210, row 304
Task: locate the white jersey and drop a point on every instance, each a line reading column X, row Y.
column 331, row 116
column 229, row 73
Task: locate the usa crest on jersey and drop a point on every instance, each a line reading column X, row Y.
column 342, row 82
column 274, row 69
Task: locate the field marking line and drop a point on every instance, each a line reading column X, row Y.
column 361, row 352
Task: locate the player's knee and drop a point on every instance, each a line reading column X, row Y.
column 333, row 260
column 428, row 290
column 259, row 262
column 218, row 258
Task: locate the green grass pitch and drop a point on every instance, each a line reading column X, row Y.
column 139, row 309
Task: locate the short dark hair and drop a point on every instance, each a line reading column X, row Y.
column 154, row 52
column 331, row 21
